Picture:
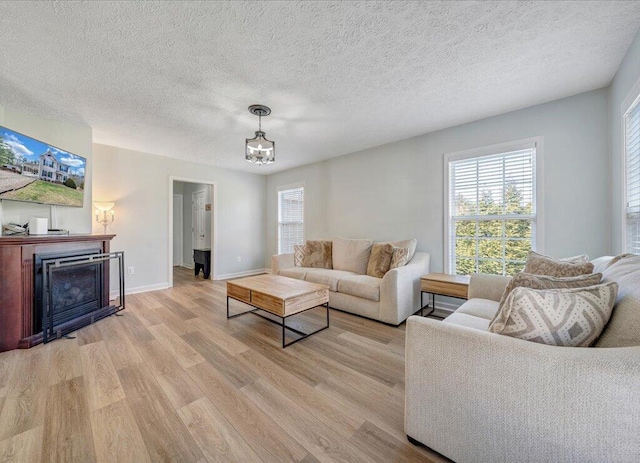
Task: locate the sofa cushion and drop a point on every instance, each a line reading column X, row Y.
column 470, row 321
column 544, row 265
column 294, row 272
column 326, row 277
column 351, row 255
column 380, row 259
column 623, row 328
column 557, row 317
column 483, row 308
column 364, row 286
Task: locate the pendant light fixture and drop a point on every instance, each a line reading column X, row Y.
column 259, row 150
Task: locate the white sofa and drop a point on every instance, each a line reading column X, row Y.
column 390, row 299
column 474, row 396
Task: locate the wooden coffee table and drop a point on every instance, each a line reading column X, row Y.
column 279, row 296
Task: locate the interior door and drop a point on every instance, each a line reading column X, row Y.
column 199, row 227
column 177, row 229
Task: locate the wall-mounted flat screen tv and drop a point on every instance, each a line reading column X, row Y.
column 33, row 171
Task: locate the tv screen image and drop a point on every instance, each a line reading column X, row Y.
column 33, row 171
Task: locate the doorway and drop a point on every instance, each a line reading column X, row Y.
column 191, row 231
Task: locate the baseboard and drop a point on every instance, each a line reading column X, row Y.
column 139, row 289
column 227, row 276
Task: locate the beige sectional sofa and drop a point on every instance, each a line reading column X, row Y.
column 473, row 395
column 390, row 299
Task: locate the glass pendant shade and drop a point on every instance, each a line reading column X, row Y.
column 259, row 150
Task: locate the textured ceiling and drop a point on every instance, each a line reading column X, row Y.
column 175, row 78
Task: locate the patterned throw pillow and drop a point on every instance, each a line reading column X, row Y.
column 380, row 259
column 298, row 254
column 399, row 258
column 557, row 317
column 579, row 259
column 527, row 280
column 538, row 264
column 316, row 254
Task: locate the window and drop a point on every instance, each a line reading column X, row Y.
column 290, row 218
column 491, row 209
column 632, row 170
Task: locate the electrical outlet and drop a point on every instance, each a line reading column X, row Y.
column 239, row 259
column 131, row 270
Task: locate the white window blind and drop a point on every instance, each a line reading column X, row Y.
column 492, row 212
column 290, row 219
column 632, row 155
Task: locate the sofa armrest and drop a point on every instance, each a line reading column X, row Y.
column 400, row 289
column 487, row 286
column 478, row 396
column 280, row 261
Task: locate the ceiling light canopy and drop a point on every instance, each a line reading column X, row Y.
column 259, row 150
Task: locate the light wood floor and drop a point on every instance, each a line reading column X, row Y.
column 174, row 380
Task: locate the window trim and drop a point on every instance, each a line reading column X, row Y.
column 538, row 243
column 632, row 97
column 290, row 186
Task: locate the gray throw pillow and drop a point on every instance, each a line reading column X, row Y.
column 527, row 280
column 538, row 264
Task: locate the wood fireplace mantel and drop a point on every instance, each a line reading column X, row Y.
column 16, row 280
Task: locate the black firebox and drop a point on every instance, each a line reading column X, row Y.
column 75, row 291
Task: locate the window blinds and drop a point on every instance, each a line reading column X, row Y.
column 492, row 211
column 290, row 219
column 632, row 150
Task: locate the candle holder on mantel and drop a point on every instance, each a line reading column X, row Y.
column 108, row 214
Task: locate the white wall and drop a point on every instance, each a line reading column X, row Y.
column 73, row 138
column 395, row 191
column 624, row 82
column 139, row 185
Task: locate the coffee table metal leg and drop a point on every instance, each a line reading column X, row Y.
column 282, row 323
column 241, row 313
column 431, row 305
column 283, row 327
column 327, row 304
column 303, row 335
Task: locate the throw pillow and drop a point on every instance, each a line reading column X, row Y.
column 557, row 317
column 579, row 259
column 380, row 260
column 528, row 280
column 298, row 254
column 410, row 244
column 351, row 255
column 538, row 264
column 317, row 254
column 399, row 258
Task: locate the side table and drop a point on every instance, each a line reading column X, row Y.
column 202, row 261
column 443, row 284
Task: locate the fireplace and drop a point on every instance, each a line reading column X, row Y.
column 18, row 328
column 76, row 291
